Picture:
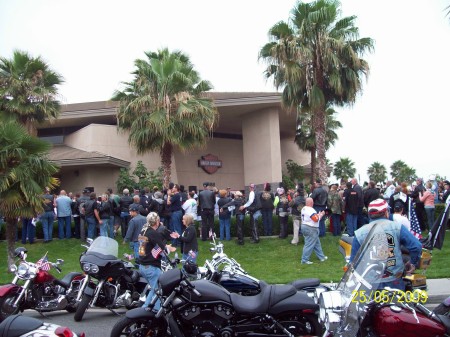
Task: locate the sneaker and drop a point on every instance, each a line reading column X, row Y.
column 324, row 259
column 307, row 262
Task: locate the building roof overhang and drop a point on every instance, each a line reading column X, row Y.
column 66, row 156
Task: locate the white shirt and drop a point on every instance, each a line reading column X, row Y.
column 190, row 207
column 251, row 198
column 310, row 217
column 401, row 219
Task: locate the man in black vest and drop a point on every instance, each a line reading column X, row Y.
column 206, row 203
column 253, row 205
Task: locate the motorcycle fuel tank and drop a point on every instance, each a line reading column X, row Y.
column 239, row 283
column 391, row 322
column 209, row 292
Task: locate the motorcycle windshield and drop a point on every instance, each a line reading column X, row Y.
column 360, row 283
column 104, row 245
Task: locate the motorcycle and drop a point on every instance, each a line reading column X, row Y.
column 22, row 326
column 204, row 308
column 110, row 282
column 360, row 307
column 40, row 291
column 443, row 308
column 229, row 273
column 413, row 281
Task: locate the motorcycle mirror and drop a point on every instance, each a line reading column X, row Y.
column 212, row 250
column 60, row 261
column 89, row 241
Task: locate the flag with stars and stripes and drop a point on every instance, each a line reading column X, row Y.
column 415, row 227
column 43, row 263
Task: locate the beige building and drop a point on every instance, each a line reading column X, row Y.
column 253, row 140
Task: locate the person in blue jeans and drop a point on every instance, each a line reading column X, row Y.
column 224, row 216
column 92, row 215
column 310, row 231
column 151, row 250
column 48, row 216
column 64, row 213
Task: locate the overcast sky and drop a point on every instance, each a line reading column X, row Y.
column 402, row 114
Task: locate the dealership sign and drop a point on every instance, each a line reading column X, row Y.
column 210, row 163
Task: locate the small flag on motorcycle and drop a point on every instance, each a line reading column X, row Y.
column 43, row 263
column 156, row 251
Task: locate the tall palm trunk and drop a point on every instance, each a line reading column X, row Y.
column 313, row 164
column 320, row 143
column 11, row 225
column 166, row 162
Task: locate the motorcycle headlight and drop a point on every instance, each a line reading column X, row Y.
column 86, row 267
column 22, row 271
column 12, row 268
column 94, row 268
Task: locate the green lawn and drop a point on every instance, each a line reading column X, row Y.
column 272, row 260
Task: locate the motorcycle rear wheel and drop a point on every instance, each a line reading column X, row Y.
column 6, row 306
column 82, row 307
column 136, row 328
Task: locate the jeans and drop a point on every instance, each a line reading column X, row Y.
column 429, row 211
column 352, row 222
column 151, row 274
column 175, row 221
column 47, row 225
column 225, row 225
column 336, row 219
column 64, row 224
column 312, row 243
column 106, row 228
column 91, row 226
column 296, row 224
column 254, row 225
column 267, row 221
column 124, row 219
column 322, row 220
column 283, row 221
column 28, row 230
column 136, row 250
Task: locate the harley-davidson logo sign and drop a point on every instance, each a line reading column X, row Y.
column 210, row 163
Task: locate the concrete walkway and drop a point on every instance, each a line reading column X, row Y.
column 438, row 290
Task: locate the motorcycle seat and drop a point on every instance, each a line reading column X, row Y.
column 259, row 303
column 67, row 279
column 445, row 321
column 301, row 284
column 17, row 325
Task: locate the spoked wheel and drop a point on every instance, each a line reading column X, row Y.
column 7, row 307
column 136, row 328
column 301, row 325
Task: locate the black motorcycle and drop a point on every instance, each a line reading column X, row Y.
column 205, row 308
column 110, row 282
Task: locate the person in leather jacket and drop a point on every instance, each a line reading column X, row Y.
column 124, row 203
column 206, row 203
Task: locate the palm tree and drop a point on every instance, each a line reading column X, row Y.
column 344, row 169
column 24, row 172
column 315, row 58
column 401, row 172
column 305, row 136
column 377, row 172
column 165, row 106
column 28, row 90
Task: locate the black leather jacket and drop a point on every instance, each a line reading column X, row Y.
column 206, row 200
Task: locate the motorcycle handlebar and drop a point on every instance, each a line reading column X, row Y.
column 192, row 287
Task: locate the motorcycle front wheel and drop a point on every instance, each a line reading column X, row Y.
column 138, row 327
column 82, row 307
column 7, row 305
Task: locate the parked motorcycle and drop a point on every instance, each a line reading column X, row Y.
column 359, row 307
column 110, row 282
column 443, row 308
column 22, row 326
column 229, row 273
column 416, row 280
column 40, row 291
column 204, row 308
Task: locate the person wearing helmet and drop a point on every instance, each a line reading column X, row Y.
column 399, row 235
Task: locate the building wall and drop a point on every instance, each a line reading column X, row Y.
column 231, row 174
column 75, row 179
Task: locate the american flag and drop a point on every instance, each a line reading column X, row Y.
column 43, row 263
column 156, row 251
column 415, row 227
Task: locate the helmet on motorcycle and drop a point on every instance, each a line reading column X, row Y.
column 190, row 267
column 20, row 252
